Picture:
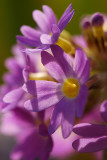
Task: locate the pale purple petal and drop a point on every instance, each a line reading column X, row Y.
column 47, row 94
column 90, row 130
column 50, row 15
column 41, row 87
column 46, row 39
column 68, row 118
column 31, row 33
column 87, row 145
column 81, row 100
column 9, row 106
column 81, row 66
column 103, row 110
column 79, row 41
column 13, row 96
column 64, row 60
column 27, row 41
column 36, row 50
column 15, row 67
column 51, row 65
column 17, row 121
column 42, row 21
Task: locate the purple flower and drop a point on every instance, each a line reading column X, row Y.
column 94, row 136
column 13, row 80
column 68, row 93
column 32, row 141
column 93, row 39
column 20, row 68
column 48, row 30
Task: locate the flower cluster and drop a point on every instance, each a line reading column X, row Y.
column 54, row 80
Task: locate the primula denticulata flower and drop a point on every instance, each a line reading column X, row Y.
column 65, row 94
column 61, row 84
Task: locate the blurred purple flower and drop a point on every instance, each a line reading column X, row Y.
column 68, row 94
column 19, row 67
column 48, row 30
column 33, row 141
column 94, row 135
column 13, row 80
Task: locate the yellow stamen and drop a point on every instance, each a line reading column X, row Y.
column 65, row 45
column 40, row 76
column 88, row 34
column 99, row 35
column 98, row 31
column 70, row 88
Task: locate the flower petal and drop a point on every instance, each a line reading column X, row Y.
column 56, row 117
column 51, row 65
column 81, row 66
column 46, row 39
column 103, row 110
column 36, row 50
column 27, row 41
column 90, row 130
column 87, row 145
column 50, row 15
column 31, row 33
column 79, row 41
column 67, row 11
column 68, row 118
column 13, row 96
column 64, row 115
column 42, row 21
column 47, row 94
column 65, row 60
column 65, row 20
column 81, row 100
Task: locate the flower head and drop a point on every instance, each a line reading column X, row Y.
column 68, row 94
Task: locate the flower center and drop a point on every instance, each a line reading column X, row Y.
column 70, row 88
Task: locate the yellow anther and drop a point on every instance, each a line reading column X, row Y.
column 98, row 32
column 70, row 88
column 40, row 76
column 99, row 35
column 65, row 45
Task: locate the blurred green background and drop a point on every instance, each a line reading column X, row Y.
column 15, row 13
